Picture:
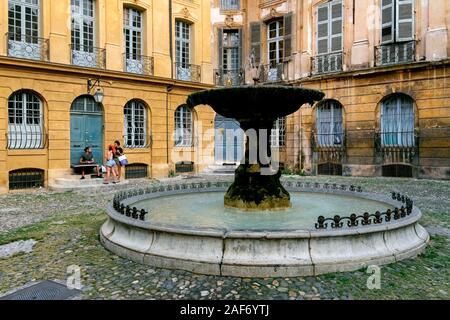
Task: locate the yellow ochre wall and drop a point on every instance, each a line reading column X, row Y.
column 59, row 83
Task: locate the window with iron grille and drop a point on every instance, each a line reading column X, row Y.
column 25, row 121
column 136, row 171
column 229, row 4
column 135, row 121
column 329, row 37
column 278, row 133
column 83, row 32
column 329, row 169
column 26, row 179
column 397, row 122
column 397, row 31
column 183, row 50
column 23, row 27
column 184, row 166
column 132, row 30
column 183, row 126
column 397, row 171
column 329, row 124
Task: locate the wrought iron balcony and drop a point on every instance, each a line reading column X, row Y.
column 273, row 72
column 26, row 137
column 327, row 63
column 229, row 78
column 139, row 64
column 27, row 46
column 395, row 53
column 88, row 56
column 187, row 72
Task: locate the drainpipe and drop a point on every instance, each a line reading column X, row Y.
column 170, row 39
column 169, row 87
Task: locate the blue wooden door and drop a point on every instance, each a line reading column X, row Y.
column 86, row 130
column 228, row 141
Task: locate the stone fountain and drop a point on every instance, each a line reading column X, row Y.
column 256, row 185
column 319, row 228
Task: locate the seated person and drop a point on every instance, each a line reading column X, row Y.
column 88, row 158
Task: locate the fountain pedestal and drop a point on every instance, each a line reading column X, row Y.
column 256, row 183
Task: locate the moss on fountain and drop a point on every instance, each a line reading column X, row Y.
column 252, row 191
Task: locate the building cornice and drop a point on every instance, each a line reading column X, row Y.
column 374, row 71
column 43, row 66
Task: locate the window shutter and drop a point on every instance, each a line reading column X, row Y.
column 241, row 49
column 220, row 42
column 255, row 38
column 288, row 27
column 387, row 21
column 322, row 29
column 405, row 20
column 336, row 26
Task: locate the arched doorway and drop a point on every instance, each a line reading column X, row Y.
column 228, row 140
column 86, row 129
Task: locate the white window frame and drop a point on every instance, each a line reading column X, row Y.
column 397, row 124
column 135, row 135
column 183, row 127
column 329, row 22
column 27, row 128
column 79, row 17
column 29, row 36
column 330, row 127
column 394, row 6
column 183, row 41
column 278, row 133
column 278, row 40
column 134, row 44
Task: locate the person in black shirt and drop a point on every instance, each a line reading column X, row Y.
column 87, row 158
column 118, row 151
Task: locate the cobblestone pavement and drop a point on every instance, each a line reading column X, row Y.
column 65, row 226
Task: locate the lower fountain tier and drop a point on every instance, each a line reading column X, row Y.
column 252, row 190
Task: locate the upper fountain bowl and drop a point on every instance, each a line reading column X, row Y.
column 263, row 102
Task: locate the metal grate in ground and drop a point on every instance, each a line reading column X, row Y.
column 44, row 290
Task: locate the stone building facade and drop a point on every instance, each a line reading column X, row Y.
column 383, row 64
column 77, row 73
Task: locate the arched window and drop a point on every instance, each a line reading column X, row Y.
column 277, row 136
column 25, row 121
column 135, row 122
column 329, row 124
column 183, row 127
column 397, row 122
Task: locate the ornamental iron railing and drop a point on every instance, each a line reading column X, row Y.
column 27, row 46
column 139, row 64
column 187, row 72
column 327, row 63
column 88, row 56
column 395, row 53
column 229, row 78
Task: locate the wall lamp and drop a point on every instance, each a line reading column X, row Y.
column 98, row 95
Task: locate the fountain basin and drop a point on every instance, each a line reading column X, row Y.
column 265, row 250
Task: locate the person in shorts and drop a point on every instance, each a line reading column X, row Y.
column 111, row 167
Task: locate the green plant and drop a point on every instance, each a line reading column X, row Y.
column 171, row 173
